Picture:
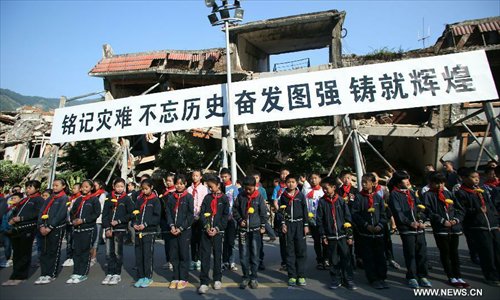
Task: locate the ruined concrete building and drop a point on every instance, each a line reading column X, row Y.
column 429, row 135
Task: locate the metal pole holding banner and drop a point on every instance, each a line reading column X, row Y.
column 231, row 142
column 492, row 119
column 357, row 152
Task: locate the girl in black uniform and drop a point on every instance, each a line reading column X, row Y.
column 83, row 216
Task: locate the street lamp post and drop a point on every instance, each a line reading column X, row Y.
column 226, row 20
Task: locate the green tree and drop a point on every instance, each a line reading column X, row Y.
column 12, row 173
column 180, row 154
column 88, row 157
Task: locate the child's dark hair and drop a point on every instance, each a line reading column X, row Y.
column 284, row 169
column 249, row 181
column 91, row 183
column 48, row 191
column 489, row 169
column 34, row 183
column 20, row 195
column 64, row 183
column 119, row 179
column 100, row 183
column 291, row 176
column 466, row 172
column 197, row 170
column 329, row 181
column 344, row 173
column 315, row 172
column 215, row 180
column 224, row 171
column 147, row 182
column 397, row 178
column 436, row 178
column 254, row 173
column 180, row 177
column 370, row 177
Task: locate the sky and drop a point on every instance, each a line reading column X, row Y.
column 47, row 48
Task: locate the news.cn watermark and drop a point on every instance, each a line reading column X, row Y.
column 448, row 292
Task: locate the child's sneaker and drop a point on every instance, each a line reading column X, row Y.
column 244, row 284
column 292, row 282
column 182, row 284
column 173, row 284
column 335, row 285
column 192, row 266
column 233, row 267
column 203, row 289
column 217, row 285
column 68, row 263
column 80, row 279
column 115, row 279
column 413, row 283
column 253, row 284
column 350, row 285
column 198, row 265
column 424, row 282
column 107, row 279
column 139, row 282
column 302, row 281
column 146, row 282
column 40, row 279
column 463, row 283
column 72, row 279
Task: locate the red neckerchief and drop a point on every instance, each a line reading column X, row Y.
column 346, row 189
column 20, row 203
column 75, row 196
column 99, row 192
column 146, row 199
column 228, row 183
column 178, row 197
column 282, row 188
column 492, row 182
column 54, row 197
column 290, row 197
column 310, row 195
column 2, row 195
column 440, row 195
column 113, row 196
column 195, row 189
column 251, row 197
column 332, row 202
column 169, row 190
column 370, row 197
column 378, row 188
column 213, row 204
column 84, row 198
column 408, row 196
column 478, row 194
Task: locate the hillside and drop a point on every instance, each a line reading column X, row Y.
column 10, row 101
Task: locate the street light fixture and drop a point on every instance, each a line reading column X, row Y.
column 226, row 19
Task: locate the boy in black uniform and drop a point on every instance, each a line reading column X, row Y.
column 145, row 221
column 83, row 215
column 333, row 219
column 214, row 217
column 408, row 214
column 116, row 214
column 481, row 221
column 23, row 220
column 294, row 225
column 446, row 215
column 250, row 213
column 180, row 217
column 368, row 213
column 51, row 224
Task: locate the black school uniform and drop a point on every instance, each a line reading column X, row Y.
column 87, row 208
column 56, row 210
column 180, row 214
column 294, row 216
column 483, row 227
column 372, row 244
column 404, row 206
column 348, row 194
column 149, row 208
column 23, row 234
column 218, row 208
column 446, row 237
column 120, row 211
column 331, row 216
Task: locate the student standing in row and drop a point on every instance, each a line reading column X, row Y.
column 214, row 217
column 51, row 224
column 230, row 234
column 198, row 190
column 69, row 227
column 83, row 214
column 180, row 216
column 116, row 214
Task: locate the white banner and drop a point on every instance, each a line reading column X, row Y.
column 430, row 81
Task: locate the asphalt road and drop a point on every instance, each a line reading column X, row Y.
column 272, row 282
